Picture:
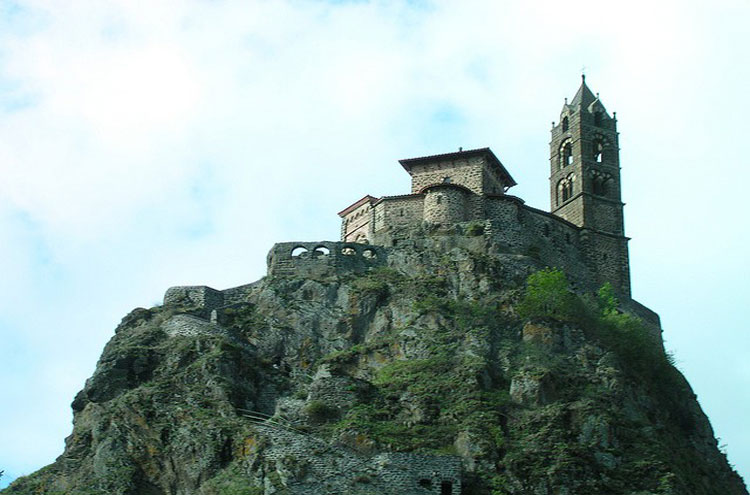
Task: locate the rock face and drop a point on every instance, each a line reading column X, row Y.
column 420, row 374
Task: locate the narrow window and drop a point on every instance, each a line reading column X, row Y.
column 439, row 199
column 565, row 124
column 598, row 119
column 566, row 156
column 567, row 188
column 598, row 150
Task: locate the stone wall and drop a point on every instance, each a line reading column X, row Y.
column 322, row 259
column 445, row 204
column 556, row 243
column 199, row 296
column 304, row 465
column 603, row 214
column 467, row 172
column 357, row 225
column 399, row 211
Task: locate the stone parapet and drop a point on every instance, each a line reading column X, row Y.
column 323, row 259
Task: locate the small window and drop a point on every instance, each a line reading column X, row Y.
column 348, row 251
column 446, row 488
column 545, row 230
column 439, row 199
column 565, row 124
column 446, row 180
column 369, row 254
column 425, row 483
column 598, row 118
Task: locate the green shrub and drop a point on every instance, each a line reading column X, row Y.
column 475, row 229
column 548, row 295
column 321, row 412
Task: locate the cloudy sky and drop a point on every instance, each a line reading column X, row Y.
column 151, row 144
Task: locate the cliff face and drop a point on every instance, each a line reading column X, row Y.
column 436, row 372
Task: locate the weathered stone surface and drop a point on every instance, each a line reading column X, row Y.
column 413, row 376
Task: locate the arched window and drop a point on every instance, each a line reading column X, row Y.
column 565, row 124
column 566, row 154
column 565, row 189
column 568, row 190
column 600, row 183
column 598, row 150
column 598, row 118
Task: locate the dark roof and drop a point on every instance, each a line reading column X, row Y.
column 398, row 196
column 444, row 184
column 584, row 97
column 357, row 204
column 493, row 161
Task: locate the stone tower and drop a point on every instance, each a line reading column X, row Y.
column 585, row 182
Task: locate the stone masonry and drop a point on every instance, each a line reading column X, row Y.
column 584, row 233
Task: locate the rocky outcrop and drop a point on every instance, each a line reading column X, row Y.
column 418, row 374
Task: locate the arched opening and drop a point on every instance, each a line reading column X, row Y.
column 566, row 154
column 598, row 149
column 321, row 251
column 425, row 483
column 565, row 124
column 446, row 488
column 600, row 183
column 565, row 189
column 348, row 251
column 569, row 187
column 298, row 251
column 361, row 238
column 369, row 254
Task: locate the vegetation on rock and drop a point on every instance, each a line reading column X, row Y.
column 447, row 350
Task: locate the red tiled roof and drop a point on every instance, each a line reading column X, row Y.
column 357, row 204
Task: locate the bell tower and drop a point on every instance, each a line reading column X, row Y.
column 585, row 183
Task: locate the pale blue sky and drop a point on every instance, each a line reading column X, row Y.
column 142, row 148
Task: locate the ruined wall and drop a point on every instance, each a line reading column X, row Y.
column 199, row 296
column 337, row 470
column 322, row 259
